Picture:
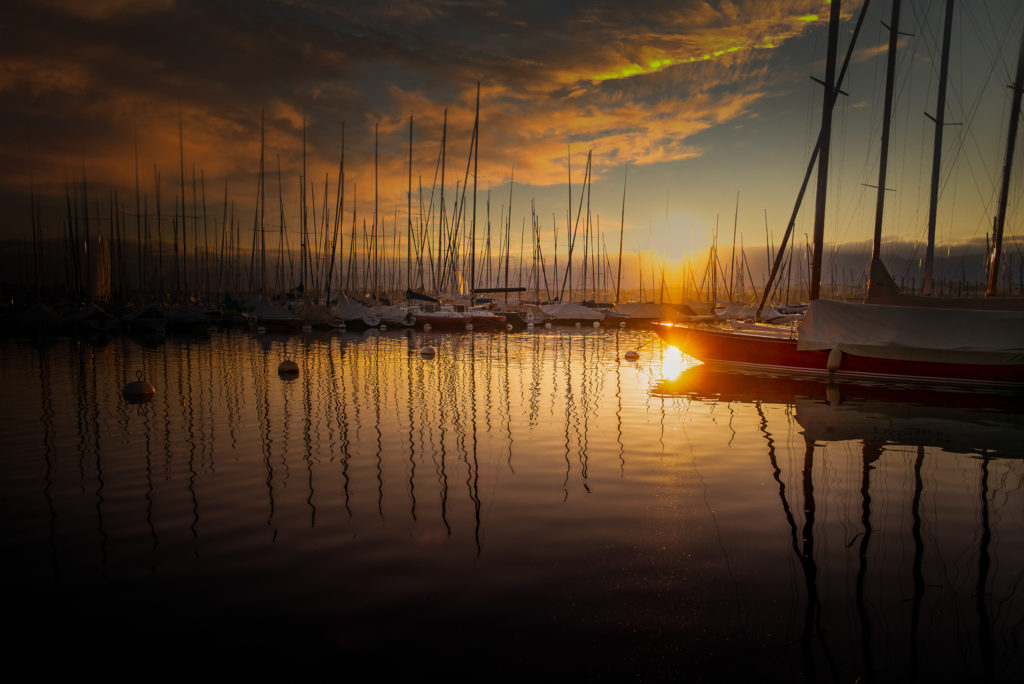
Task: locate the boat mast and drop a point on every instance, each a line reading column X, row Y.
column 939, row 119
column 622, row 228
column 408, row 214
column 826, row 137
column 894, row 27
column 472, row 238
column 781, row 255
column 1011, row 141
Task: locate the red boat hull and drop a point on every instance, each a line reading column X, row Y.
column 780, row 355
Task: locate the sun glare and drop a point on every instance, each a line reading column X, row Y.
column 672, row 363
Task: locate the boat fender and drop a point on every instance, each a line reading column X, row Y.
column 835, row 359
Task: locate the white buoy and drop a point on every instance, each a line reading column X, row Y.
column 529, row 326
column 508, row 326
column 287, row 368
column 426, row 351
column 260, row 329
column 597, row 324
column 622, row 324
column 383, row 326
column 469, row 327
column 632, row 355
column 138, row 391
column 548, row 326
column 427, row 326
column 578, row 324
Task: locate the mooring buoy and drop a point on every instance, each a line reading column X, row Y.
column 426, row 351
column 287, row 368
column 138, row 391
column 632, row 355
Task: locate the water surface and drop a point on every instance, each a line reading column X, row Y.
column 520, row 505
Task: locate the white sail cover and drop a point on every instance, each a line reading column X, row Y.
column 914, row 333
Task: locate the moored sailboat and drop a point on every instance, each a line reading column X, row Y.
column 868, row 341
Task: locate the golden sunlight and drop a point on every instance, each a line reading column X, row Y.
column 672, row 363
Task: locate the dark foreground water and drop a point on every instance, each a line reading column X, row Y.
column 518, row 507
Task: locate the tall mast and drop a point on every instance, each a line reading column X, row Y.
column 303, row 227
column 781, row 255
column 441, row 211
column 408, row 213
column 476, row 160
column 939, row 119
column 1011, row 140
column 376, row 207
column 890, row 70
column 826, row 137
column 184, row 230
column 622, row 229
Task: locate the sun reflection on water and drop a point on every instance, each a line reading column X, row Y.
column 672, row 363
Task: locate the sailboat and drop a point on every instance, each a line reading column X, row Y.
column 867, row 341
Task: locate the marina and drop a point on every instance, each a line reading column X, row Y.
column 382, row 403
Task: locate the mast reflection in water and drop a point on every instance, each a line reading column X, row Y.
column 517, row 504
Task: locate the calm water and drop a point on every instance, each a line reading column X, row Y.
column 519, row 506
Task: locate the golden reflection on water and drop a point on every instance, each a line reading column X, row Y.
column 673, row 363
column 547, row 477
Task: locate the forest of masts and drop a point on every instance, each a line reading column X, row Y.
column 200, row 250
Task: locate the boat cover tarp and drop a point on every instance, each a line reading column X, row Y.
column 735, row 312
column 394, row 314
column 571, row 312
column 265, row 310
column 350, row 310
column 648, row 311
column 914, row 333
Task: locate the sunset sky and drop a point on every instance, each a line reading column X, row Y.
column 704, row 101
